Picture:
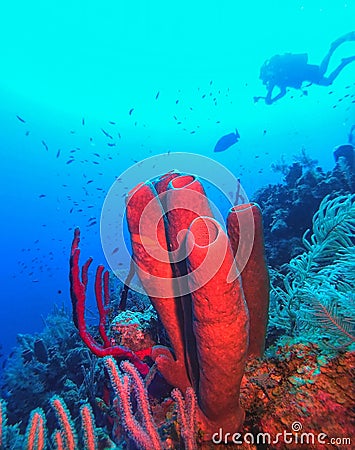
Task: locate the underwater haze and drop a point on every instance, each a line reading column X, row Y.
column 88, row 89
column 177, row 224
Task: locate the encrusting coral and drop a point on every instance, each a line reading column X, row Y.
column 300, row 390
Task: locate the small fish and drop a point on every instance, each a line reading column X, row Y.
column 70, row 161
column 226, row 141
column 58, row 153
column 45, row 145
column 42, row 195
column 83, row 121
column 21, row 119
column 131, row 111
column 111, row 122
column 156, row 97
column 106, row 133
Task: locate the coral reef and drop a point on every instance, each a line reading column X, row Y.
column 37, row 437
column 296, row 396
column 133, row 329
column 301, row 398
column 63, row 365
column 288, row 207
column 301, row 390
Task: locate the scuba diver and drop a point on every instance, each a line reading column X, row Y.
column 292, row 70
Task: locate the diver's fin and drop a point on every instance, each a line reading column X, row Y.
column 346, row 37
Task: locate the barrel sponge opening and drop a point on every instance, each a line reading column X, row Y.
column 205, row 231
column 243, row 207
column 182, row 181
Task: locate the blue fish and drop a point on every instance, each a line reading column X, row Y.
column 227, row 141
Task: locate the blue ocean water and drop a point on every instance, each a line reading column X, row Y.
column 90, row 89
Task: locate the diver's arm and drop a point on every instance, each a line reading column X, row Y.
column 269, row 100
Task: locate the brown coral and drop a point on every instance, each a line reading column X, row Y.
column 301, row 392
